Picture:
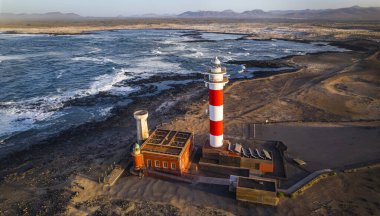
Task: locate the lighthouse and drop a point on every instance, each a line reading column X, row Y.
column 215, row 80
column 137, row 157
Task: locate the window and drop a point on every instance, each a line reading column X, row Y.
column 174, row 166
column 149, row 163
column 165, row 164
column 157, row 163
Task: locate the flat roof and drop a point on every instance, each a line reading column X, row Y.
column 258, row 184
column 167, row 142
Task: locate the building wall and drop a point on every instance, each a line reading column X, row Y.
column 222, row 170
column 185, row 157
column 161, row 158
column 266, row 168
column 257, row 164
column 257, row 196
column 229, row 160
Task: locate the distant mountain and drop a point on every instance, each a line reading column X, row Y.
column 209, row 14
column 351, row 13
column 152, row 15
column 58, row 16
column 53, row 16
column 254, row 13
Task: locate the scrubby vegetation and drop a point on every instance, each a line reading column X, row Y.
column 301, row 190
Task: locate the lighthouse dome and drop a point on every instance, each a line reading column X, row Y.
column 136, row 149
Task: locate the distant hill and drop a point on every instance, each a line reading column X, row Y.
column 58, row 16
column 351, row 13
column 150, row 15
column 210, row 14
column 52, row 16
column 224, row 14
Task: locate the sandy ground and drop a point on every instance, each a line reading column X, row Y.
column 60, row 176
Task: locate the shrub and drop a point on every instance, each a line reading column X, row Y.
column 293, row 195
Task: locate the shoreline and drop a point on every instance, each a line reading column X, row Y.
column 277, row 63
column 86, row 126
column 263, row 75
column 274, row 63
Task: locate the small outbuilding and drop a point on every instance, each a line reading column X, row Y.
column 257, row 190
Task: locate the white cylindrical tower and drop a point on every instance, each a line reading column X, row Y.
column 141, row 117
column 216, row 80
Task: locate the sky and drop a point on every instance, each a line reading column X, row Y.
column 138, row 7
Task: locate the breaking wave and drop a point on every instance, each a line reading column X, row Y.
column 22, row 115
column 93, row 59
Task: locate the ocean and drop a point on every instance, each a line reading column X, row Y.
column 49, row 83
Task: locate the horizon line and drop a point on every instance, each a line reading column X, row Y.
column 176, row 14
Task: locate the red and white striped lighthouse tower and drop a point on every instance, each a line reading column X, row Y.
column 215, row 81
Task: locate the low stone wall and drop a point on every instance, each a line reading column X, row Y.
column 307, row 182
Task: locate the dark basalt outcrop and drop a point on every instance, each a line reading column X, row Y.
column 262, row 63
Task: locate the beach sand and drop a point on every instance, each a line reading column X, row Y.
column 334, row 92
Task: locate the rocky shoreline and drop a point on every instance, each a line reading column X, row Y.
column 279, row 63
